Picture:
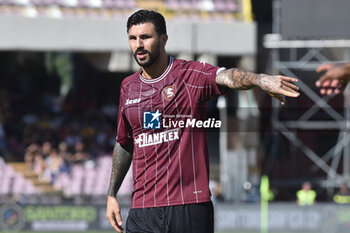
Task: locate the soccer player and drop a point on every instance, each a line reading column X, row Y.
column 170, row 164
column 335, row 78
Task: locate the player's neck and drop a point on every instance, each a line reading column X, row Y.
column 157, row 68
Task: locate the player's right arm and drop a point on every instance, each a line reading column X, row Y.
column 335, row 77
column 277, row 86
column 122, row 157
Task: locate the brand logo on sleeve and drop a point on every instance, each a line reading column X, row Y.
column 133, row 101
column 151, row 120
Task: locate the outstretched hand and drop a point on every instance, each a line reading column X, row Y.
column 113, row 214
column 279, row 86
column 335, row 78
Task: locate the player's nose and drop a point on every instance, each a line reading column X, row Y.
column 139, row 43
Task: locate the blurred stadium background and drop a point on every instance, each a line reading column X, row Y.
column 61, row 65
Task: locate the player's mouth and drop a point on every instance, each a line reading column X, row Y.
column 141, row 55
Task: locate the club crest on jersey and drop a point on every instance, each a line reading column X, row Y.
column 169, row 92
column 151, row 120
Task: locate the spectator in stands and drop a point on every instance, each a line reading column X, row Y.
column 343, row 196
column 3, row 103
column 306, row 196
column 54, row 162
column 39, row 165
column 46, row 149
column 80, row 155
column 2, row 139
column 215, row 189
column 66, row 156
column 335, row 78
column 73, row 137
column 29, row 155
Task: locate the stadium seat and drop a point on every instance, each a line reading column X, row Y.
column 225, row 5
column 2, row 164
column 77, row 172
column 126, row 187
column 219, row 5
column 119, row 4
column 108, row 3
column 82, row 3
column 94, row 3
column 74, row 188
column 18, row 184
column 89, row 181
column 68, row 3
column 172, row 4
column 30, row 189
column 151, row 4
column 104, row 160
column 42, row 2
column 131, row 4
column 20, row 2
column 62, row 181
column 231, row 6
column 6, row 181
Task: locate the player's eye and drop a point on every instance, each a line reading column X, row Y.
column 143, row 37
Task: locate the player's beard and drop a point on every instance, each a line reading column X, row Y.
column 152, row 57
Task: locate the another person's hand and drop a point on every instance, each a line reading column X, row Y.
column 279, row 86
column 113, row 214
column 335, row 77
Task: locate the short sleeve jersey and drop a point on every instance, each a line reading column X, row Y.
column 170, row 159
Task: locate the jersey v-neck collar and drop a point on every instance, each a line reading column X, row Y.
column 154, row 80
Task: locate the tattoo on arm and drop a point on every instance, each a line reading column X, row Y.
column 122, row 157
column 238, row 79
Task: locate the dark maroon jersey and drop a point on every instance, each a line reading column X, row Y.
column 170, row 159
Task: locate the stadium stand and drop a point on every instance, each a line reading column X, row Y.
column 178, row 9
column 14, row 182
column 90, row 179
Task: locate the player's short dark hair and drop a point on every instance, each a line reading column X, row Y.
column 146, row 16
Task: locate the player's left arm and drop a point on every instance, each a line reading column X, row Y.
column 122, row 157
column 275, row 85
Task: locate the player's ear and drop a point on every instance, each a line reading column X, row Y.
column 164, row 38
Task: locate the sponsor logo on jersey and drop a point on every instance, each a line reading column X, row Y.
column 171, row 125
column 146, row 139
column 151, row 120
column 169, row 92
column 132, row 101
column 192, row 123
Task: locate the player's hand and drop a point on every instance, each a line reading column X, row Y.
column 334, row 86
column 279, row 86
column 335, row 78
column 113, row 214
